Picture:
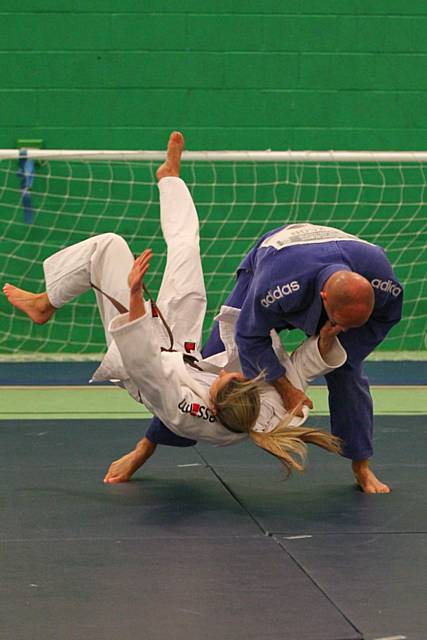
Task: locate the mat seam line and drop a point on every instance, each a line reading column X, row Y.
column 313, row 581
column 272, row 536
column 233, row 495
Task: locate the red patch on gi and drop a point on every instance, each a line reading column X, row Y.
column 189, row 346
column 194, row 408
column 154, row 312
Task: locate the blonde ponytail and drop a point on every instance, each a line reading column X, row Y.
column 288, row 444
column 238, row 406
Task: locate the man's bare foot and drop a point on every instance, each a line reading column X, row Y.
column 122, row 469
column 36, row 305
column 171, row 166
column 366, row 478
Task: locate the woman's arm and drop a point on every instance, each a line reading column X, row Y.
column 327, row 336
column 136, row 276
column 138, row 341
column 139, row 346
column 318, row 356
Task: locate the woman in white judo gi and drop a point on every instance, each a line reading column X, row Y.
column 205, row 399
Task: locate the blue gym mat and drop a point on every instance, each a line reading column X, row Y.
column 207, row 542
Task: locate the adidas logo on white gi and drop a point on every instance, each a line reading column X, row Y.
column 279, row 292
column 387, row 286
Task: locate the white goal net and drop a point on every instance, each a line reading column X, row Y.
column 67, row 196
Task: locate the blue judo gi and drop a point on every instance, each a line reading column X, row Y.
column 279, row 288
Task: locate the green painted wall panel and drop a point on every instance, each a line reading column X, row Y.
column 365, row 7
column 300, row 33
column 337, row 71
column 61, row 70
column 144, row 108
column 378, row 34
column 401, row 72
column 330, row 7
column 241, row 32
column 71, row 108
column 261, row 70
column 51, row 31
column 158, row 31
column 392, row 7
column 47, row 6
column 165, row 70
column 419, row 29
column 18, row 108
column 276, row 7
column 190, row 6
column 237, row 108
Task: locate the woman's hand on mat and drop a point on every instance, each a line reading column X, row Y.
column 138, row 271
column 122, row 469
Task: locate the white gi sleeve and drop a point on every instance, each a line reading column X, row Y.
column 309, row 364
column 139, row 347
column 302, row 367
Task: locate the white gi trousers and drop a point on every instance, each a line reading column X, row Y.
column 106, row 260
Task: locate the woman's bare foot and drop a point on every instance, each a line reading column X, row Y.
column 366, row 478
column 171, row 166
column 36, row 305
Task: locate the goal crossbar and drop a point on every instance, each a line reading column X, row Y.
column 220, row 156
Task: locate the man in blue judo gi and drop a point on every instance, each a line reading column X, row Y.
column 298, row 276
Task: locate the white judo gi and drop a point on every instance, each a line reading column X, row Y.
column 174, row 391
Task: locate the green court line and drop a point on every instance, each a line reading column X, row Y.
column 68, row 403
column 89, row 403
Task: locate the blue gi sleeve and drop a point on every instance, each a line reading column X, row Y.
column 253, row 337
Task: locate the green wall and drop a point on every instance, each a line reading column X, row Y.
column 271, row 74
column 315, row 74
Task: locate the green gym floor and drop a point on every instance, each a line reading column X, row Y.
column 94, row 402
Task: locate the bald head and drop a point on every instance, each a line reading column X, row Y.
column 348, row 298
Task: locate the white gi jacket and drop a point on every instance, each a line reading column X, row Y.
column 179, row 394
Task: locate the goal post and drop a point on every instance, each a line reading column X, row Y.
column 62, row 197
